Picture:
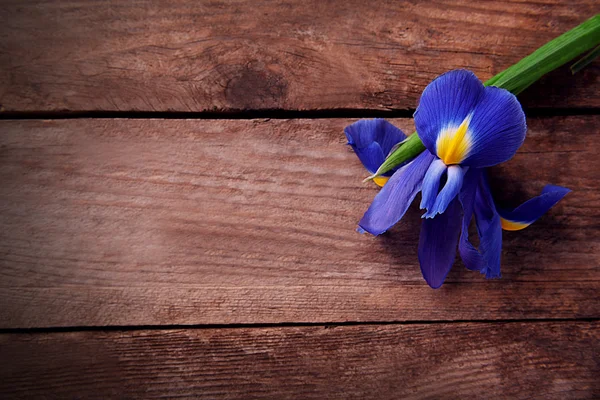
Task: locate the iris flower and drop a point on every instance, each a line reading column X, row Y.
column 465, row 128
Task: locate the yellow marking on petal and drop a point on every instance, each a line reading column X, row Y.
column 381, row 180
column 509, row 225
column 453, row 144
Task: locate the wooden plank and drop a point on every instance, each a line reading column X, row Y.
column 293, row 55
column 442, row 361
column 125, row 222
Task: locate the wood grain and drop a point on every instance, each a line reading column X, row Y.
column 125, row 222
column 441, row 361
column 295, row 55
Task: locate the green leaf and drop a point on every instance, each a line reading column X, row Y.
column 518, row 77
column 549, row 57
column 585, row 60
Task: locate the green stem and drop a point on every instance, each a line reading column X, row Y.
column 518, row 77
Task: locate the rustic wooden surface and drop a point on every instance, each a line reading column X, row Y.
column 299, row 55
column 544, row 360
column 167, row 254
column 102, row 216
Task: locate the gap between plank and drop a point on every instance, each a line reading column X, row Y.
column 282, row 325
column 262, row 114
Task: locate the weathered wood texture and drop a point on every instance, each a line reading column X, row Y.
column 212, row 55
column 125, row 222
column 435, row 361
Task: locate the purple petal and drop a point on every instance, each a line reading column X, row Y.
column 469, row 254
column 528, row 212
column 431, row 183
column 446, row 102
column 448, row 192
column 437, row 244
column 372, row 140
column 395, row 197
column 496, row 130
column 489, row 229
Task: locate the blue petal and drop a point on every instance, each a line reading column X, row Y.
column 431, row 183
column 489, row 229
column 446, row 102
column 437, row 244
column 469, row 254
column 448, row 192
column 395, row 197
column 496, row 130
column 532, row 209
column 372, row 140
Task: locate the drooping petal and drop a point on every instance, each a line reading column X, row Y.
column 528, row 212
column 431, row 183
column 395, row 197
column 437, row 244
column 489, row 229
column 372, row 140
column 468, row 253
column 496, row 129
column 449, row 191
column 446, row 103
column 382, row 180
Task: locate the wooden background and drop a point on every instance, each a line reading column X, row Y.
column 178, row 205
